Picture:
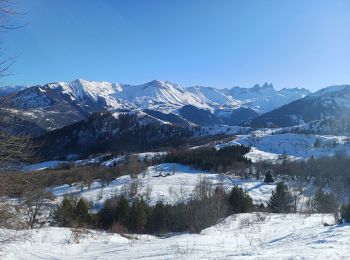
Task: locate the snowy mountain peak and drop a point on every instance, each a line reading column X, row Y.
column 155, row 83
column 265, row 98
column 161, row 85
column 266, row 85
column 81, row 81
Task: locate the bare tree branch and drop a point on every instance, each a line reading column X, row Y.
column 15, row 150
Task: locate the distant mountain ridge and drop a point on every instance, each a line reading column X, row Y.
column 7, row 90
column 54, row 105
column 265, row 98
column 326, row 103
column 169, row 96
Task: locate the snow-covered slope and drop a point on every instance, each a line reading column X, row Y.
column 328, row 102
column 215, row 97
column 158, row 95
column 331, row 90
column 242, row 236
column 273, row 144
column 169, row 182
column 81, row 89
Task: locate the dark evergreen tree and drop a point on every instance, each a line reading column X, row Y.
column 158, row 221
column 324, row 202
column 64, row 215
column 239, row 200
column 281, row 200
column 81, row 212
column 107, row 215
column 138, row 216
column 123, row 211
column 268, row 177
column 345, row 212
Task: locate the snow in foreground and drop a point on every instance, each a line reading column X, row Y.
column 244, row 236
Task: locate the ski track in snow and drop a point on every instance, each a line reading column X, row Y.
column 242, row 236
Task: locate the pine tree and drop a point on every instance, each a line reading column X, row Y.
column 64, row 214
column 240, row 201
column 81, row 212
column 281, row 200
column 324, row 202
column 138, row 216
column 345, row 212
column 268, row 178
column 158, row 222
column 108, row 213
column 123, row 211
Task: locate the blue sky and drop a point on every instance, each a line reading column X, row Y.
column 293, row 43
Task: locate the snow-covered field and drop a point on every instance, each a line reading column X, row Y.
column 242, row 236
column 160, row 184
column 270, row 144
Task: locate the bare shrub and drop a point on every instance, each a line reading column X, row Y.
column 77, row 235
column 148, row 193
column 247, row 222
column 14, row 150
column 118, row 228
column 7, row 215
column 135, row 166
column 204, row 188
column 36, row 208
column 260, row 217
column 133, row 188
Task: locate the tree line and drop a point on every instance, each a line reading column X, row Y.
column 203, row 209
column 211, row 159
column 119, row 214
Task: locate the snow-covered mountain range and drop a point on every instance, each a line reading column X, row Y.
column 41, row 108
column 159, row 95
column 55, row 105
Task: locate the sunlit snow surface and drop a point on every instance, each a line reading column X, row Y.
column 270, row 144
column 170, row 183
column 244, row 236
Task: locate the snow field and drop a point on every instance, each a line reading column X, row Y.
column 269, row 145
column 242, row 236
column 160, row 184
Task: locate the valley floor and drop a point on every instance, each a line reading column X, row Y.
column 242, row 236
